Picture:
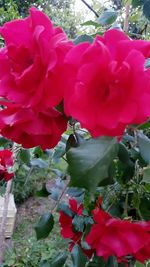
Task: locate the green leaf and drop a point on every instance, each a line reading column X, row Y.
column 78, row 223
column 65, row 208
column 144, row 146
column 136, row 3
column 24, row 155
column 89, row 163
column 91, row 23
column 138, row 264
column 83, row 38
column 144, row 126
column 59, row 151
column 43, row 192
column 123, row 153
column 39, row 163
column 58, row 261
column 112, row 262
column 146, row 9
column 44, row 226
column 108, row 17
column 145, row 208
column 4, row 141
column 78, row 257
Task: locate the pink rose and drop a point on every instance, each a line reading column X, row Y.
column 108, row 86
column 32, row 127
column 31, row 61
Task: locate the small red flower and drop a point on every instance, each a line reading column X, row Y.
column 6, row 161
column 67, row 230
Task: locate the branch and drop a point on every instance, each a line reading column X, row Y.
column 126, row 20
column 89, row 7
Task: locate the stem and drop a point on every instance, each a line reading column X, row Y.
column 58, row 201
column 90, row 8
column 126, row 205
column 4, row 220
column 126, row 20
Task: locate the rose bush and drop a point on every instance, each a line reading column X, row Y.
column 46, row 83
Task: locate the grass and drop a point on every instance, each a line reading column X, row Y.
column 26, row 251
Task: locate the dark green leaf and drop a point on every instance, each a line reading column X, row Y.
column 39, row 163
column 83, row 38
column 123, row 153
column 108, row 17
column 91, row 23
column 78, row 257
column 112, row 262
column 24, row 155
column 43, row 192
column 89, row 163
column 146, row 9
column 145, row 208
column 44, row 226
column 58, row 261
column 144, row 146
column 4, row 141
column 71, row 142
column 38, row 152
column 136, row 3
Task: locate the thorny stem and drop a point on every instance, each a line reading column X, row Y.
column 90, row 8
column 126, row 20
column 4, row 220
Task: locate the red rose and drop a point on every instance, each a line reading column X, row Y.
column 6, row 161
column 108, row 86
column 32, row 127
column 66, row 223
column 111, row 236
column 31, row 62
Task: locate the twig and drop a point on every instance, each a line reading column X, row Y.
column 4, row 221
column 126, row 20
column 89, row 7
column 60, row 197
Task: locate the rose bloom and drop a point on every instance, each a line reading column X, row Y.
column 108, row 87
column 111, row 236
column 32, row 127
column 31, row 61
column 31, row 65
column 6, row 161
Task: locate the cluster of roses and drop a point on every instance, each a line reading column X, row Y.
column 104, row 85
column 108, row 236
